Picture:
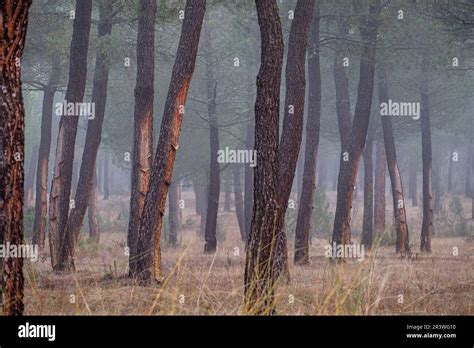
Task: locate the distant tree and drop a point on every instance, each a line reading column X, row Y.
column 427, row 225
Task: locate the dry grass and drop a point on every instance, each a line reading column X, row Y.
column 212, row 284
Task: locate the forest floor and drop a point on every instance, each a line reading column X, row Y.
column 199, row 284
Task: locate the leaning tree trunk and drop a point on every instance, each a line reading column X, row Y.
column 210, row 238
column 259, row 276
column 13, row 24
column 149, row 236
column 61, row 183
column 41, row 205
column 87, row 175
column 290, row 142
column 427, row 225
column 401, row 226
column 94, row 231
column 305, row 209
column 143, row 128
column 348, row 170
column 239, row 201
column 379, row 190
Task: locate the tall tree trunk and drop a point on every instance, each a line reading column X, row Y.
column 427, row 225
column 368, row 218
column 379, row 189
column 87, row 174
column 402, row 243
column 173, row 217
column 292, row 131
column 41, row 205
column 239, row 201
column 348, row 169
column 30, row 177
column 305, row 209
column 149, row 236
column 13, row 23
column 214, row 170
column 106, row 178
column 143, row 126
column 61, row 183
column 94, row 230
column 259, row 277
column 248, row 179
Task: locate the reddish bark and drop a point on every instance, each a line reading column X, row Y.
column 143, row 125
column 13, row 24
column 401, row 226
column 149, row 236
